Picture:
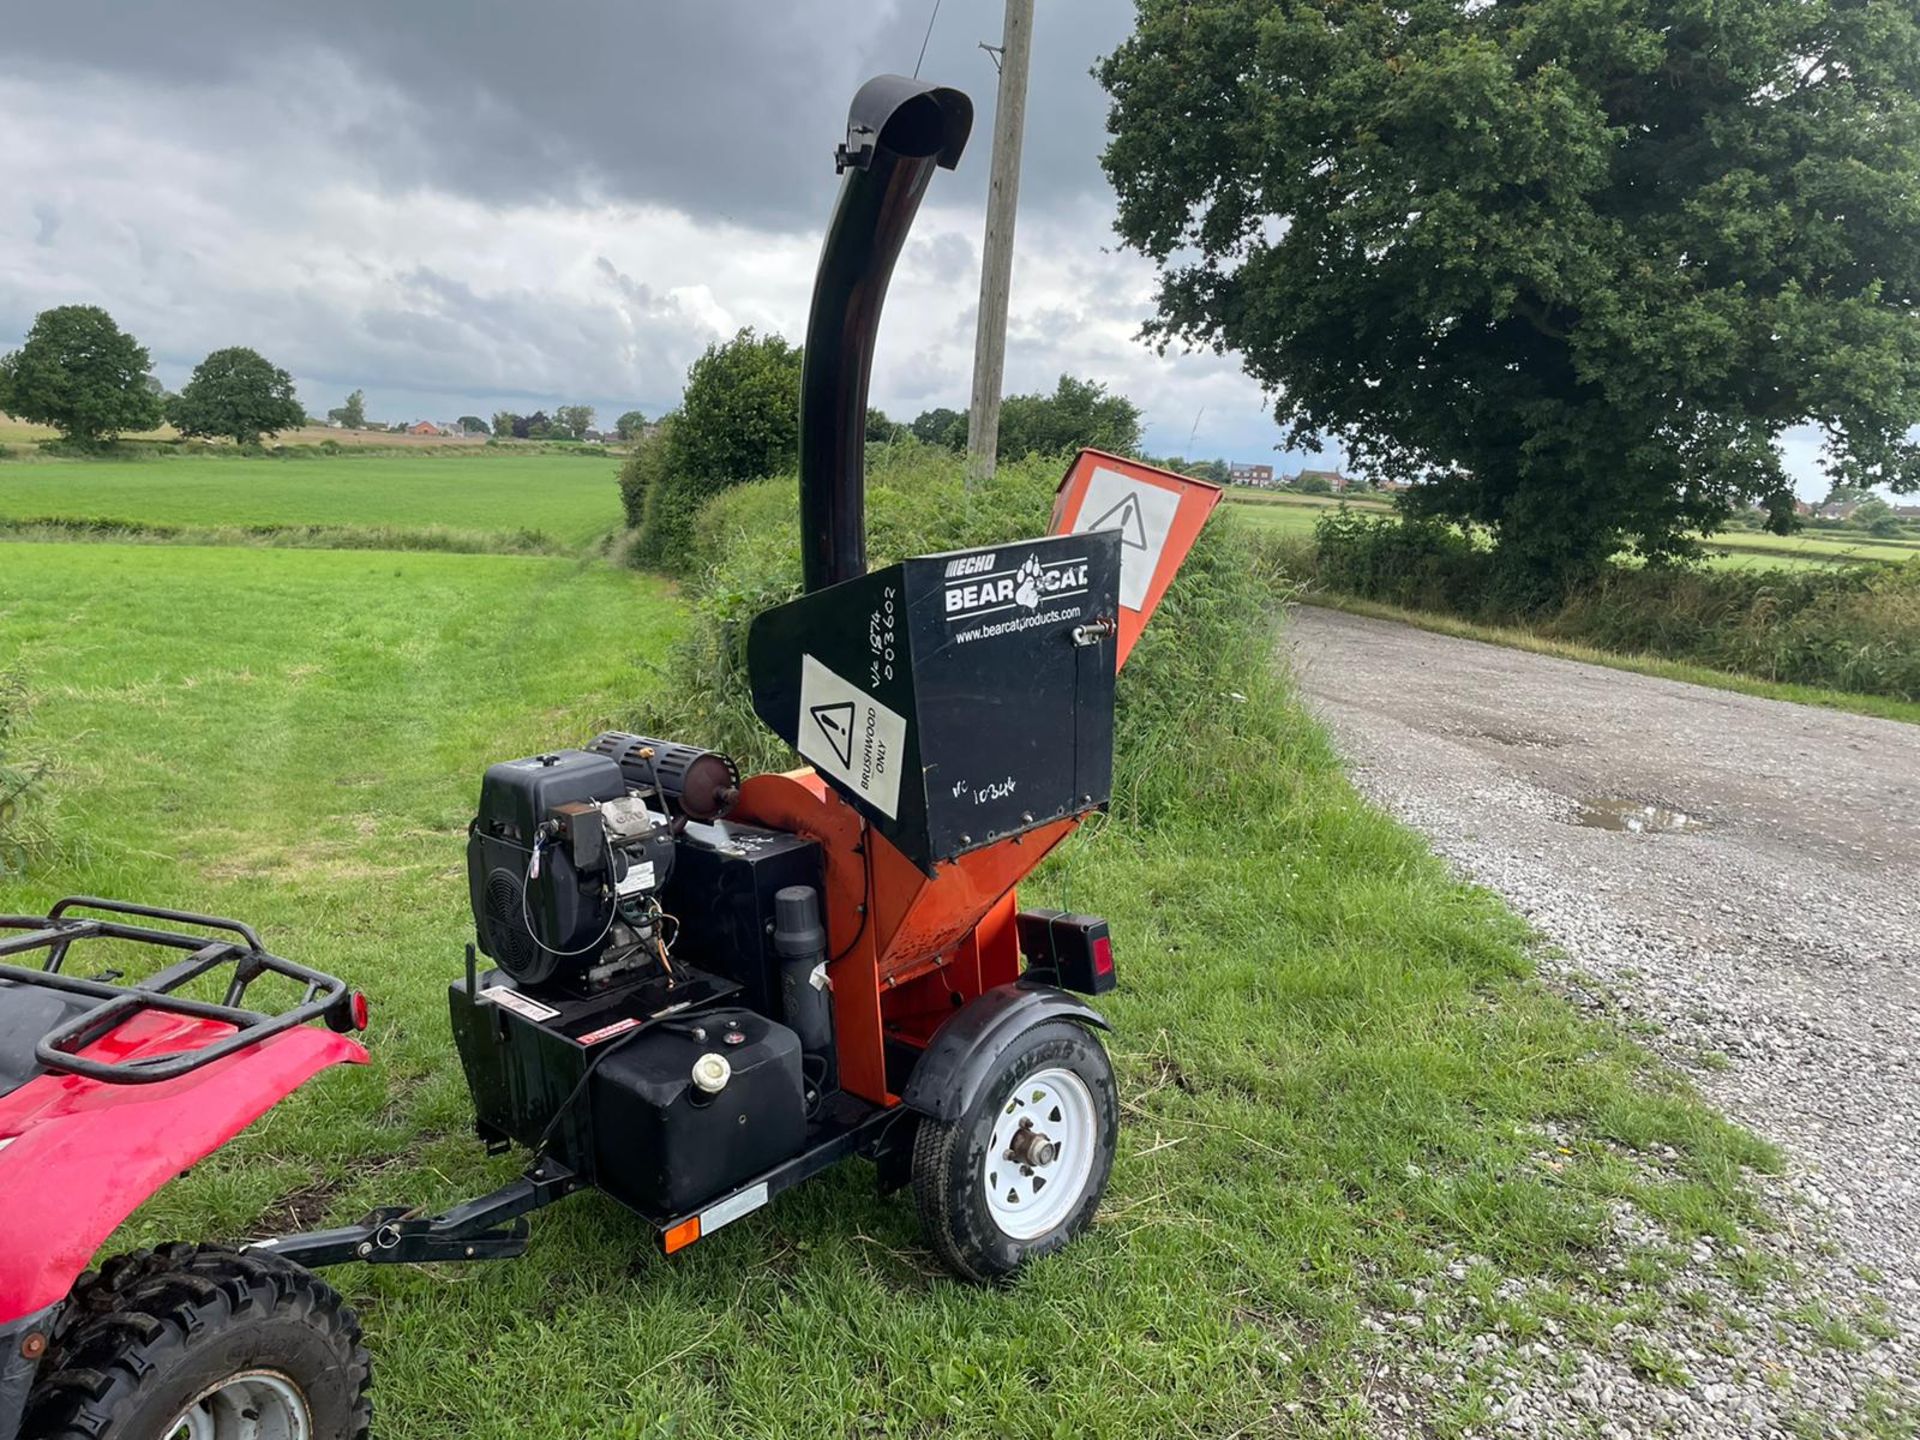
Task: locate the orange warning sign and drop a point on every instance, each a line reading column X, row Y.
column 1158, row 515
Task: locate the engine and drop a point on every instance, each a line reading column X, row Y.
column 570, row 851
column 661, row 1017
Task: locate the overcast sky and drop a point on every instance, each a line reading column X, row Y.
column 467, row 207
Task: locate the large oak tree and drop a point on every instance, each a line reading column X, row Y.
column 239, row 394
column 82, row 374
column 1577, row 263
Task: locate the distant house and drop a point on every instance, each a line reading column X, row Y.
column 1391, row 487
column 1906, row 512
column 1336, row 482
column 1841, row 511
column 1261, row 475
column 424, row 427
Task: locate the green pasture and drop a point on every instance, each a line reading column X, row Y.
column 1287, row 514
column 1811, row 547
column 568, row 499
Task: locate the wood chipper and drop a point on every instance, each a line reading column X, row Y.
column 697, row 990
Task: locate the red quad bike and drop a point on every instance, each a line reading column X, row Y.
column 703, row 989
column 107, row 1091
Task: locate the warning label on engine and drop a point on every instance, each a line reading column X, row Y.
column 513, row 1000
column 1142, row 513
column 851, row 736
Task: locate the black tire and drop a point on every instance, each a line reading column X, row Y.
column 148, row 1334
column 949, row 1185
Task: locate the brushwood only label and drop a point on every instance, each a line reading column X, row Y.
column 851, row 736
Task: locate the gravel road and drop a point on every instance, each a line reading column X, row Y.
column 1760, row 913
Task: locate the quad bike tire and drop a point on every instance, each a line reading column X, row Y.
column 1022, row 1171
column 202, row 1340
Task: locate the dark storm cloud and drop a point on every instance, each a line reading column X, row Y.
column 717, row 108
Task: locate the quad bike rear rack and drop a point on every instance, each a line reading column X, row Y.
column 324, row 997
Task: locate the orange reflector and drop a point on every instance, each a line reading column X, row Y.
column 682, row 1235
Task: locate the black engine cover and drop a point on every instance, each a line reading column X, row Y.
column 568, row 908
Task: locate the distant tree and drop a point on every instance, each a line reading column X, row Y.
column 739, row 420
column 82, row 374
column 537, row 426
column 1310, row 484
column 881, row 430
column 644, row 472
column 1870, row 512
column 1576, row 267
column 573, row 421
column 505, row 425
column 1078, row 413
column 471, row 425
column 630, row 426
column 1844, row 494
column 353, row 414
column 237, row 394
column 941, row 427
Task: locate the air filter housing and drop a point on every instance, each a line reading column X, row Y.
column 700, row 784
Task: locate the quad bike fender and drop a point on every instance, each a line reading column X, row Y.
column 967, row 1048
column 78, row 1156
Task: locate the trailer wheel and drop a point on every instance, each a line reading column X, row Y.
column 200, row 1342
column 1022, row 1171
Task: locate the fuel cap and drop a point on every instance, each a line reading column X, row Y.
column 711, row 1073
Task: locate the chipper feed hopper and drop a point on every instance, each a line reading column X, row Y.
column 700, row 989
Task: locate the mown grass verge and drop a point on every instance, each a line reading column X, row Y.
column 1335, row 1069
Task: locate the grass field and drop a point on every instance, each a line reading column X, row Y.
column 1288, row 514
column 1810, row 547
column 1334, row 1070
column 14, row 431
column 25, row 432
column 569, row 499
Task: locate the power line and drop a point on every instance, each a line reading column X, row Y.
column 923, row 39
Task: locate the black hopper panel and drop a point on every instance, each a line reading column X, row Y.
column 953, row 699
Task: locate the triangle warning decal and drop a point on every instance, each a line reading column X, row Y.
column 1125, row 517
column 836, row 723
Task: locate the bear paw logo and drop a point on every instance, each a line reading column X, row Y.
column 1026, row 583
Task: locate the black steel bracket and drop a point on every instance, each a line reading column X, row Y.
column 491, row 1227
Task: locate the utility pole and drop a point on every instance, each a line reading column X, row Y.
column 996, row 266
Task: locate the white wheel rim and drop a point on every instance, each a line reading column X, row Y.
column 1049, row 1107
column 253, row 1405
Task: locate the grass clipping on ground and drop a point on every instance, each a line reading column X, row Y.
column 1336, row 1075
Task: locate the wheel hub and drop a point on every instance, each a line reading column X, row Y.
column 1041, row 1154
column 1032, row 1148
column 253, row 1405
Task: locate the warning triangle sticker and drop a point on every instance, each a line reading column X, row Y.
column 1125, row 517
column 836, row 723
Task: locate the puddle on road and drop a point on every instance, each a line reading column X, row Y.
column 1634, row 817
